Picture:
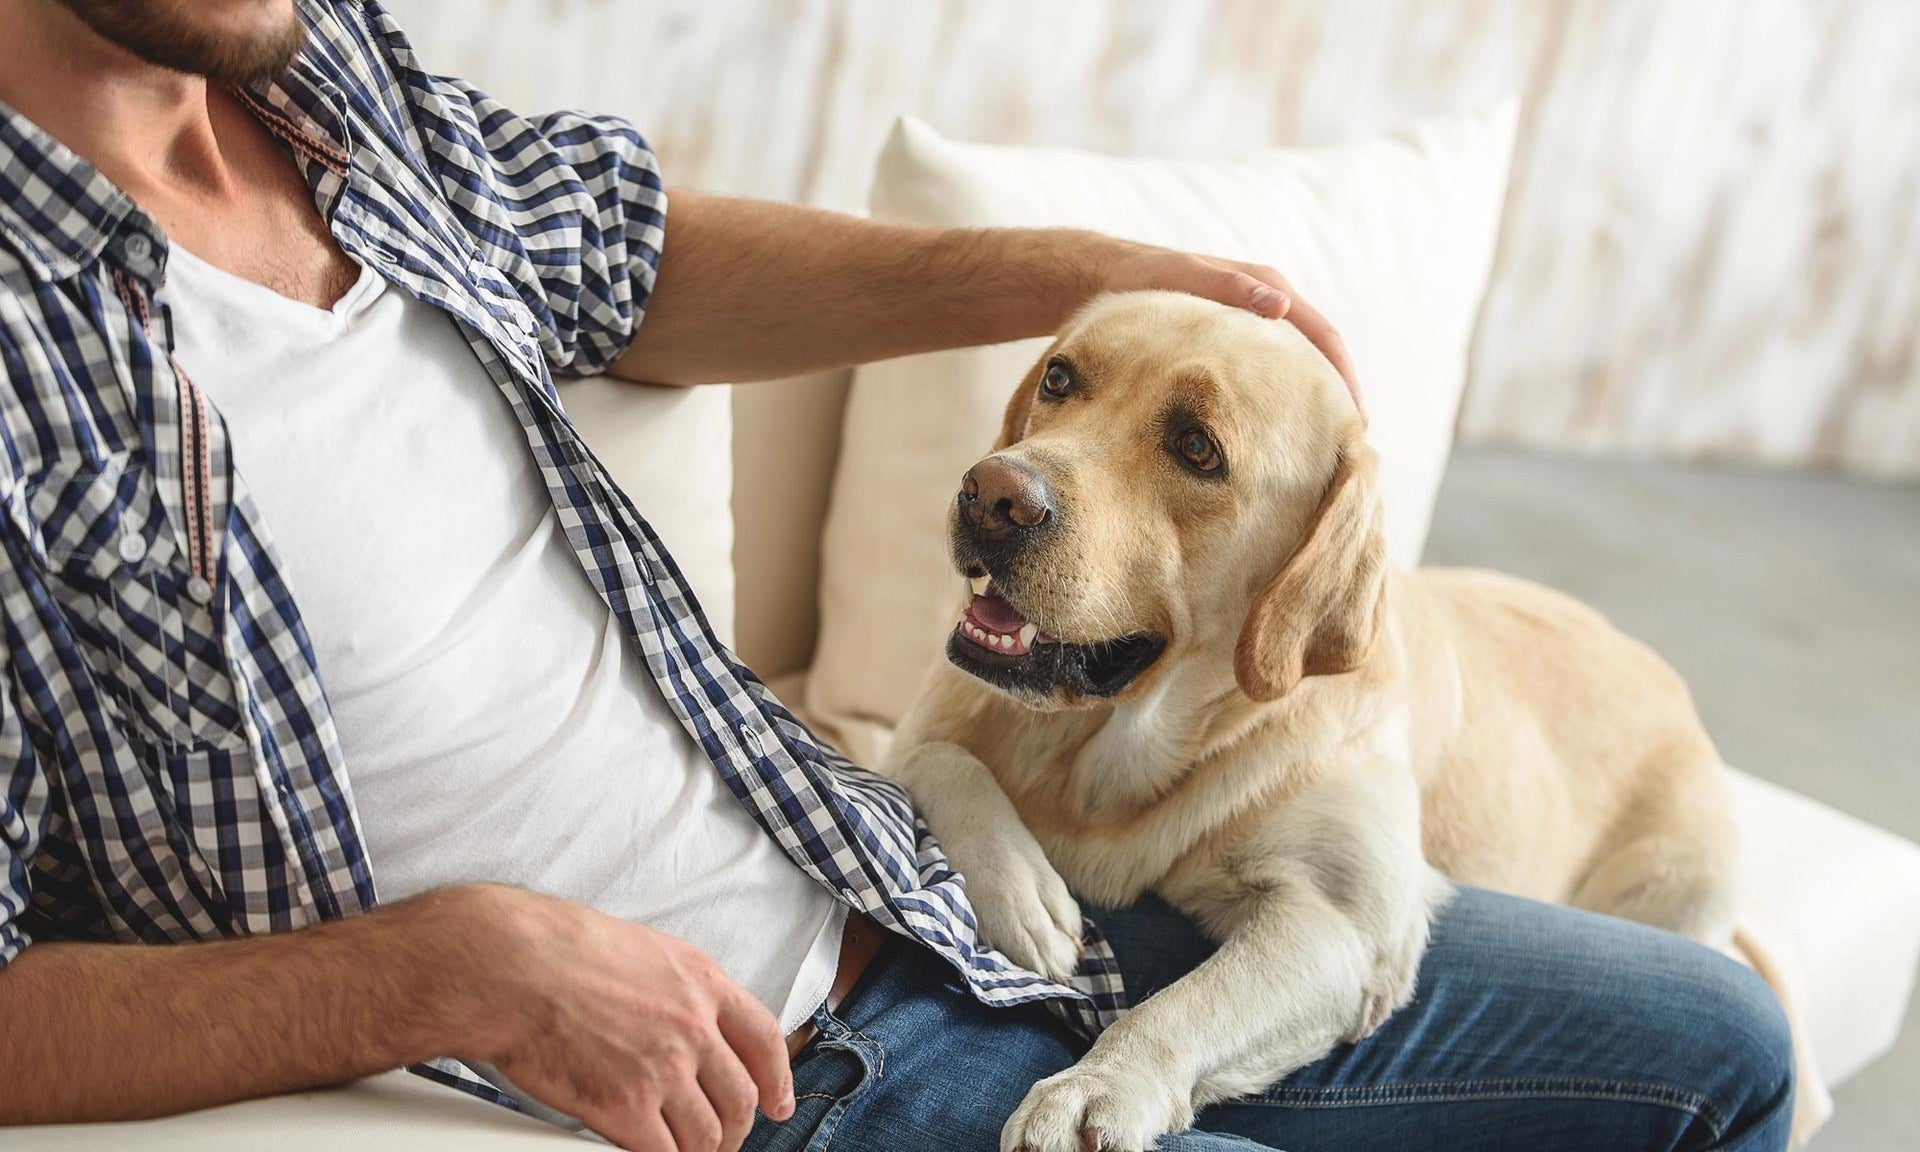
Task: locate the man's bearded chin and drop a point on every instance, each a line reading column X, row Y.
column 235, row 42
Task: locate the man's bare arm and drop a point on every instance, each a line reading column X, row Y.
column 636, row 1033
column 750, row 290
column 121, row 1031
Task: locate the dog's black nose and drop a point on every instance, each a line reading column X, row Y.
column 1002, row 498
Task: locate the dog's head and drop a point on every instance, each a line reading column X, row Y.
column 1173, row 479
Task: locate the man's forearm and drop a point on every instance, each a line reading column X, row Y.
column 749, row 290
column 114, row 1032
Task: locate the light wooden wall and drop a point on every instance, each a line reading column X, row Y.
column 1712, row 247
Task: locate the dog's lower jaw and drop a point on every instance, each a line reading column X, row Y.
column 1057, row 674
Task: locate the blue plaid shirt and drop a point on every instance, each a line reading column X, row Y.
column 169, row 770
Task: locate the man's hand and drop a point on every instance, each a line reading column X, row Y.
column 1255, row 287
column 638, row 1034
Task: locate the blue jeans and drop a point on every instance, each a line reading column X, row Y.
column 1534, row 1027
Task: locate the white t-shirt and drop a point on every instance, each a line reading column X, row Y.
column 497, row 723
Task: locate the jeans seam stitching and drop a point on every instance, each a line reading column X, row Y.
column 879, row 1053
column 1686, row 1100
column 834, row 1117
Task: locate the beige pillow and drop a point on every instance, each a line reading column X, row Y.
column 1391, row 237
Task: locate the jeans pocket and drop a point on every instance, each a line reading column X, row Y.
column 828, row 1077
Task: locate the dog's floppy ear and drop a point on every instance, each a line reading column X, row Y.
column 1013, row 425
column 1319, row 615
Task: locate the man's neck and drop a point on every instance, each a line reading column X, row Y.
column 147, row 128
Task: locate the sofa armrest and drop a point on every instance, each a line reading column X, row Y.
column 1842, row 899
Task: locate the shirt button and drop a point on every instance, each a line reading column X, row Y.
column 752, row 741
column 133, row 547
column 138, row 251
column 199, row 591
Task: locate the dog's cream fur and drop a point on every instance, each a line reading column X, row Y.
column 1322, row 738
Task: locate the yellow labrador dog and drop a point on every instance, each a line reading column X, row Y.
column 1187, row 667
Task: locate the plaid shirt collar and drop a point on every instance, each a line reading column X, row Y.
column 56, row 210
column 169, row 769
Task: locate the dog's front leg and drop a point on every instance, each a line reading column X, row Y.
column 1325, row 907
column 1020, row 902
column 1276, row 996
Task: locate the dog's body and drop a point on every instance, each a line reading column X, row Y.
column 1193, row 672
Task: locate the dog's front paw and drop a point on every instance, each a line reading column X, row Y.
column 1022, row 905
column 1085, row 1108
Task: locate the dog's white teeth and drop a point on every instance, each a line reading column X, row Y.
column 1003, row 641
column 978, row 585
column 1027, row 633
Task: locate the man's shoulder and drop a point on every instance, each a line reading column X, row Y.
column 352, row 31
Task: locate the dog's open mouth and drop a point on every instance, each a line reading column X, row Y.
column 998, row 644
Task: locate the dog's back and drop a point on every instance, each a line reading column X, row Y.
column 1548, row 742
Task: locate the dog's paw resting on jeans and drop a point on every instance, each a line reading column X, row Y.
column 1098, row 1104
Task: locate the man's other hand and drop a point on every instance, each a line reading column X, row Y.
column 637, row 1033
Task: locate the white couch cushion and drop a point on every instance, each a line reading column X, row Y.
column 1392, row 238
column 671, row 450
column 1839, row 899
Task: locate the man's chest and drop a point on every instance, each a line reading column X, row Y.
column 275, row 238
column 309, row 269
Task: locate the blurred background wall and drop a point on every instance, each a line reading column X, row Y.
column 1712, row 238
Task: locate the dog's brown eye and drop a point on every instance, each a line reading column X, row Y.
column 1057, row 381
column 1198, row 450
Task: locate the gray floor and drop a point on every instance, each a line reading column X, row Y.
column 1790, row 603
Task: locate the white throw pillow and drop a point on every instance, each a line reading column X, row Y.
column 1391, row 237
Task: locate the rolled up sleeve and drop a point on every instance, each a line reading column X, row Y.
column 569, row 206
column 585, row 201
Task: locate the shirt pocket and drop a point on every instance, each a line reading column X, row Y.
column 147, row 627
